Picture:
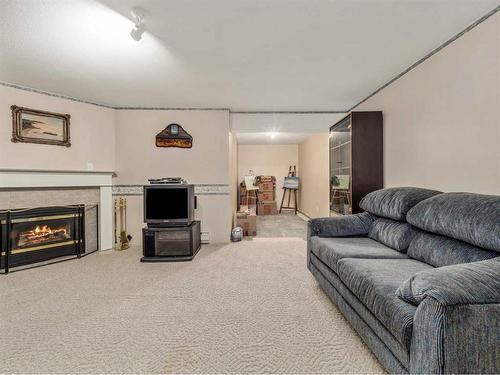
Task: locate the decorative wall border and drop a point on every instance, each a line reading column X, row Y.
column 211, row 189
column 285, row 112
column 199, row 189
column 127, row 190
column 170, row 109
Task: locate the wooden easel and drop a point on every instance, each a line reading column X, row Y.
column 342, row 194
column 289, row 190
column 251, row 188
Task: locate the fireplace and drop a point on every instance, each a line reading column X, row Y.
column 41, row 234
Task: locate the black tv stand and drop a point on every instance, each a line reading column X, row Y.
column 171, row 244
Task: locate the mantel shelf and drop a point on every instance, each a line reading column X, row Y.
column 52, row 171
column 27, row 178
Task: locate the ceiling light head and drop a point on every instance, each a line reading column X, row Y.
column 137, row 31
column 273, row 134
column 139, row 15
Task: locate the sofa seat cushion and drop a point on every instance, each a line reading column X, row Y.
column 358, row 314
column 375, row 282
column 331, row 250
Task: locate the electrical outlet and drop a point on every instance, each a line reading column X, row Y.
column 205, row 237
column 90, row 166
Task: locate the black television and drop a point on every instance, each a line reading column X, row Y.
column 169, row 204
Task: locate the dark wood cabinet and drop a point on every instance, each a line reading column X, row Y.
column 356, row 160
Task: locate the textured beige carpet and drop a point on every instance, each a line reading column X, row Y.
column 249, row 307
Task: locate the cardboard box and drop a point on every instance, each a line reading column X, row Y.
column 266, row 196
column 266, row 179
column 247, row 209
column 267, row 208
column 248, row 222
column 266, row 186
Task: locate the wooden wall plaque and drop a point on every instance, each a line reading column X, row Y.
column 174, row 136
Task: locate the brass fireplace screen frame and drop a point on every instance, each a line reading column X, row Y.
column 9, row 218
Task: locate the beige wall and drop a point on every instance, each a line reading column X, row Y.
column 135, row 157
column 207, row 162
column 91, row 130
column 442, row 119
column 268, row 160
column 313, row 165
column 233, row 176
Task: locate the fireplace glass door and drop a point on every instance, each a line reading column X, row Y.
column 41, row 234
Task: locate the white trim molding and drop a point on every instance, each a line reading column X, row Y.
column 33, row 178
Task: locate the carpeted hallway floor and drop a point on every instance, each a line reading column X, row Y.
column 282, row 225
column 247, row 307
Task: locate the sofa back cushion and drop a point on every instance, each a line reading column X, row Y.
column 392, row 233
column 394, row 203
column 472, row 218
column 441, row 251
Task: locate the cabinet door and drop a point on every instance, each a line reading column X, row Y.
column 340, row 167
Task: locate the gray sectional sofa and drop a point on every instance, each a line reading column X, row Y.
column 418, row 277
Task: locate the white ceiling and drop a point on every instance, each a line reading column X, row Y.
column 279, row 128
column 277, row 55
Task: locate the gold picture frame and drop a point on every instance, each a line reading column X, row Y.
column 42, row 127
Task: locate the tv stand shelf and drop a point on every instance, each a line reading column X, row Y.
column 171, row 244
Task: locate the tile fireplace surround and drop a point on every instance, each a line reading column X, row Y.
column 24, row 188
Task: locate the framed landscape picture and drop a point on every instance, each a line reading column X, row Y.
column 33, row 126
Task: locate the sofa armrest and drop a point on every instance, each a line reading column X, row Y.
column 469, row 283
column 457, row 339
column 341, row 226
column 456, row 327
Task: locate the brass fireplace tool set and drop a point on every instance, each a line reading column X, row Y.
column 122, row 239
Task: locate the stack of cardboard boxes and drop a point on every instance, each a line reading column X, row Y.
column 264, row 205
column 245, row 217
column 248, row 222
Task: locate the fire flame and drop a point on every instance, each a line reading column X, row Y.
column 42, row 230
column 46, row 230
column 41, row 234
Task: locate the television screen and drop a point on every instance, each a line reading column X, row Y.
column 167, row 204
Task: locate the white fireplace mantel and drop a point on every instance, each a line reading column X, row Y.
column 38, row 178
